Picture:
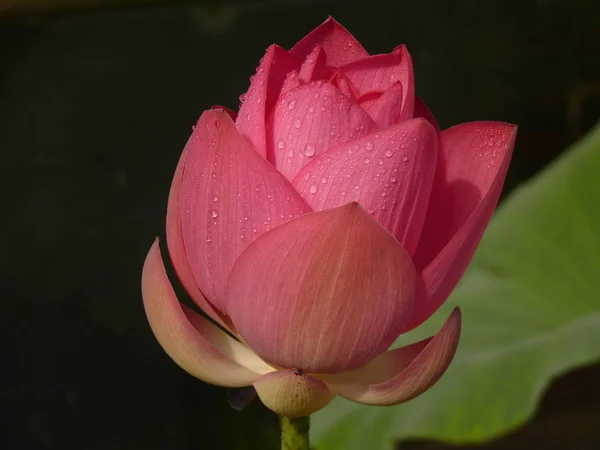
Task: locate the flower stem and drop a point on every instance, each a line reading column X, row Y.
column 294, row 433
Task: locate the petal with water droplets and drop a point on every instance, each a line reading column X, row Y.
column 471, row 168
column 315, row 66
column 262, row 95
column 310, row 118
column 325, row 292
column 229, row 196
column 195, row 344
column 177, row 250
column 411, row 370
column 385, row 108
column 390, row 172
column 341, row 47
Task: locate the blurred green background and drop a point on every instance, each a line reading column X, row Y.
column 97, row 99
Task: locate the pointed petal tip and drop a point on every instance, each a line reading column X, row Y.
column 292, row 393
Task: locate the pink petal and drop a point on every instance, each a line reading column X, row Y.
column 417, row 371
column 231, row 113
column 315, row 66
column 308, row 119
column 292, row 393
column 421, row 110
column 262, row 95
column 390, row 172
column 341, row 47
column 384, row 108
column 177, row 251
column 470, row 173
column 379, row 72
column 229, row 196
column 325, row 292
column 345, row 86
column 292, row 81
column 201, row 349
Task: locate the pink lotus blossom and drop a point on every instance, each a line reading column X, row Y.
column 324, row 219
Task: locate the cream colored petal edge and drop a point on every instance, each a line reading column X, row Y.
column 414, row 377
column 200, row 348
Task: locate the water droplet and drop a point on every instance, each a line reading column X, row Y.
column 367, row 160
column 280, row 144
column 313, row 189
column 243, row 97
column 388, row 153
column 309, row 150
column 383, row 194
column 208, row 239
column 290, row 154
column 306, row 176
column 214, row 213
column 404, row 158
column 241, row 236
column 356, row 187
column 369, row 145
column 323, row 180
column 393, row 179
column 297, row 123
column 215, row 198
column 292, row 104
column 380, row 162
column 311, row 109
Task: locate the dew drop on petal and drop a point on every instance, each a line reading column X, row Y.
column 404, row 158
column 214, row 213
column 309, row 150
column 313, row 189
column 388, row 153
column 367, row 160
column 292, row 104
column 280, row 144
column 297, row 123
column 369, row 145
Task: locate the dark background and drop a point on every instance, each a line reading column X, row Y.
column 96, row 103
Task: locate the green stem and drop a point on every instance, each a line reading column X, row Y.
column 294, row 433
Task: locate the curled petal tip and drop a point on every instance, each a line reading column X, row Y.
column 202, row 349
column 409, row 370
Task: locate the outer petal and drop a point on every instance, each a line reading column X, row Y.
column 421, row 110
column 384, row 108
column 470, row 174
column 325, row 292
column 177, row 250
column 377, row 73
column 315, row 66
column 341, row 47
column 417, row 371
column 229, row 196
column 262, row 95
column 310, row 118
column 292, row 393
column 201, row 348
column 390, row 172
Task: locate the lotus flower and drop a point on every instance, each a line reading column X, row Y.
column 320, row 222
